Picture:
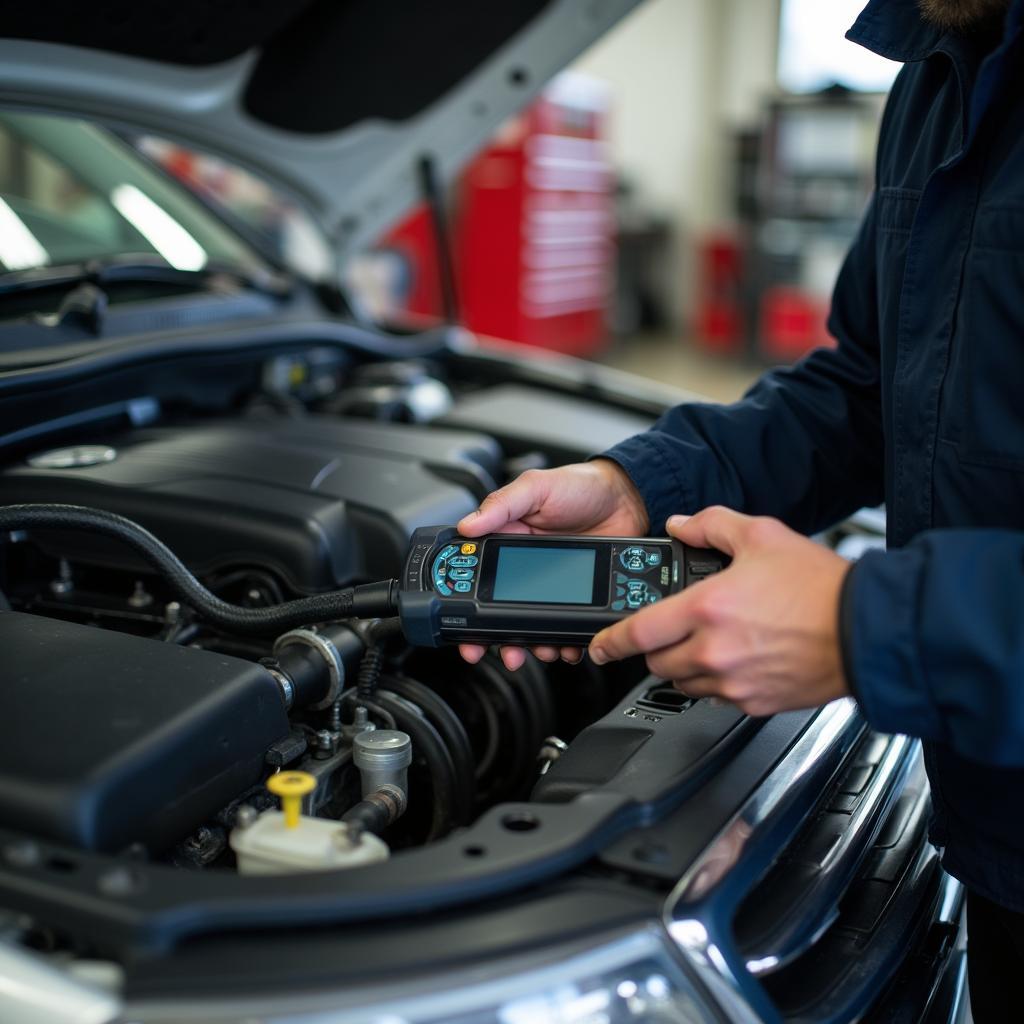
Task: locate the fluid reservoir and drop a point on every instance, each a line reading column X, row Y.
column 280, row 842
column 383, row 757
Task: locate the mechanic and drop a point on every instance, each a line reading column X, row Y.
column 921, row 405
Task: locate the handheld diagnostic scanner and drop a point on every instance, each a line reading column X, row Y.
column 537, row 589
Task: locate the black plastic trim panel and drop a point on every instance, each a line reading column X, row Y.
column 122, row 905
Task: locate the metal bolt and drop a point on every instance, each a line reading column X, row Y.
column 551, row 750
column 360, row 723
column 245, row 816
column 141, row 598
column 172, row 613
column 324, row 745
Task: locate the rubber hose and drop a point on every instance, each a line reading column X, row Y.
column 428, row 744
column 452, row 732
column 370, row 600
column 516, row 729
column 493, row 731
column 532, row 711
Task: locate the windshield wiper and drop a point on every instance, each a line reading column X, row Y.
column 135, row 268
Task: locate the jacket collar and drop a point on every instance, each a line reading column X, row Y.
column 895, row 29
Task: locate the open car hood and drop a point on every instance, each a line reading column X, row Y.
column 338, row 101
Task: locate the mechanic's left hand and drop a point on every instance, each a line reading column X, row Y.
column 762, row 634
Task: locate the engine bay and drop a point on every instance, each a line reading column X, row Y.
column 164, row 729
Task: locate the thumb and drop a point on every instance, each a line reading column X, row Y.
column 507, row 505
column 715, row 527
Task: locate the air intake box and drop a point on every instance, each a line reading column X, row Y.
column 112, row 739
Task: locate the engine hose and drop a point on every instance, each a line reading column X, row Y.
column 368, row 601
column 369, row 672
column 532, row 711
column 451, row 731
column 377, row 810
column 492, row 731
column 517, row 729
column 427, row 744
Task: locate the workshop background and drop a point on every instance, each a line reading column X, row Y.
column 677, row 203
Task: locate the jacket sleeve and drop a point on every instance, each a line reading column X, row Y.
column 805, row 444
column 933, row 641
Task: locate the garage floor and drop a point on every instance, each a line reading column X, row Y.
column 671, row 359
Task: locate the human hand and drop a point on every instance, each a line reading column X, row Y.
column 588, row 497
column 762, row 634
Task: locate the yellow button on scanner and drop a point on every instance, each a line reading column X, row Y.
column 291, row 787
column 468, row 549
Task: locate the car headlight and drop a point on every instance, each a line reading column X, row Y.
column 634, row 976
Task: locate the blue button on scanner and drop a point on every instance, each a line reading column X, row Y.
column 634, row 559
column 463, row 561
column 463, row 587
column 460, row 574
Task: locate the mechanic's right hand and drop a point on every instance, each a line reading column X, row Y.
column 587, row 497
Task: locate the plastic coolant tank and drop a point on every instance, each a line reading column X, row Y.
column 268, row 846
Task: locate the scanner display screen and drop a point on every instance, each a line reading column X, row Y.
column 545, row 575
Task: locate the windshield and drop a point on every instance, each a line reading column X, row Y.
column 71, row 192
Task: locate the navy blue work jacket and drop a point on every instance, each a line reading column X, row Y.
column 920, row 405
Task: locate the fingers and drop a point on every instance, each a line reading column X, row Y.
column 514, row 658
column 509, row 504
column 667, row 622
column 546, row 654
column 472, row 652
column 714, row 527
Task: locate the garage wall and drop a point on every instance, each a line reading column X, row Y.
column 680, row 71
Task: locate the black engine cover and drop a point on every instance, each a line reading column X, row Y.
column 112, row 739
column 321, row 502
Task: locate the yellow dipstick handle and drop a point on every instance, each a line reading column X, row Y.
column 291, row 787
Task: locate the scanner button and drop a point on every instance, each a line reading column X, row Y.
column 633, row 559
column 468, row 549
column 653, row 596
column 636, row 594
column 460, row 574
column 463, row 561
column 653, row 557
column 442, row 588
column 463, row 587
column 618, row 606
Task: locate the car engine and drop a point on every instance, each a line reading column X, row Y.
column 162, row 729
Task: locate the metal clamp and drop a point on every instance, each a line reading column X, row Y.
column 326, row 649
